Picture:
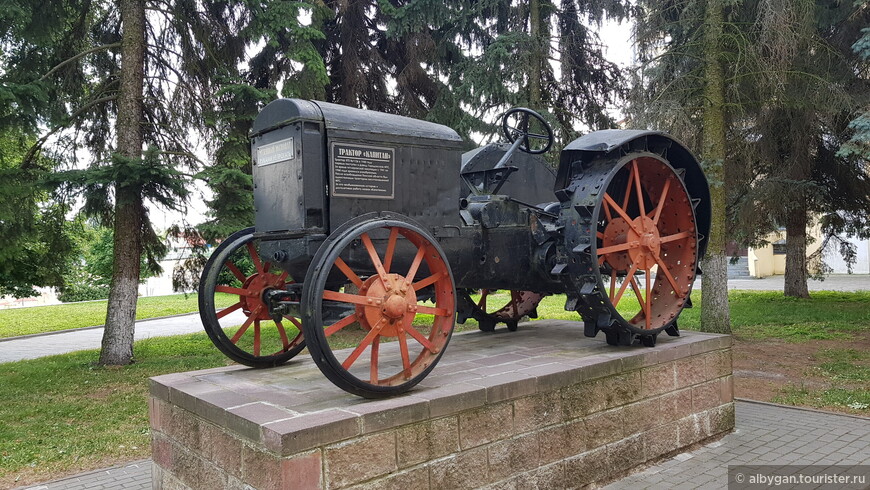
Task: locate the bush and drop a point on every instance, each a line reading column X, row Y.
column 82, row 286
column 83, row 292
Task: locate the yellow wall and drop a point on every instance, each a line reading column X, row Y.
column 763, row 263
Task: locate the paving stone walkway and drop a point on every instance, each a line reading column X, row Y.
column 131, row 476
column 765, row 434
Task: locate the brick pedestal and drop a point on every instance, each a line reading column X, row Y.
column 543, row 406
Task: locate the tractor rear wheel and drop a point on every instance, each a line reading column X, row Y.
column 632, row 247
column 646, row 242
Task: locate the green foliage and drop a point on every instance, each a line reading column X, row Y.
column 858, row 146
column 90, row 275
column 81, row 286
column 792, row 82
column 37, row 241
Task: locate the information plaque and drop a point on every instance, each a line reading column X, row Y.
column 362, row 171
column 279, row 151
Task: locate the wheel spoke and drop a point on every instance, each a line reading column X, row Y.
column 348, row 272
column 373, row 255
column 618, row 248
column 231, row 290
column 607, row 214
column 348, row 298
column 283, row 276
column 335, row 327
column 403, row 348
column 255, row 257
column 373, row 369
column 429, row 280
column 283, row 333
column 245, row 325
column 664, row 270
column 295, row 322
column 662, row 201
column 229, row 309
column 364, row 343
column 538, row 136
column 627, row 190
column 482, row 303
column 622, row 214
column 625, row 282
column 678, row 236
column 236, row 272
column 636, row 288
column 637, row 187
column 391, row 248
column 413, row 332
column 612, row 283
column 256, row 337
column 648, row 310
column 429, row 310
column 415, row 264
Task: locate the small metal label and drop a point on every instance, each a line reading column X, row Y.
column 363, row 171
column 276, row 152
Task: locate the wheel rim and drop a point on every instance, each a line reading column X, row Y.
column 392, row 268
column 245, row 330
column 647, row 228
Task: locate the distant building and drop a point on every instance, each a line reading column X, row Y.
column 770, row 260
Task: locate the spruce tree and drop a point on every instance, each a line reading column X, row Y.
column 109, row 80
column 810, row 89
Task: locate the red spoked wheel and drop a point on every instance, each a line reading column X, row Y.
column 384, row 335
column 495, row 306
column 646, row 242
column 246, row 331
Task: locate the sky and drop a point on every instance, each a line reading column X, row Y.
column 618, row 48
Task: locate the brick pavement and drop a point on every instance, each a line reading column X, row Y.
column 765, row 434
column 131, row 476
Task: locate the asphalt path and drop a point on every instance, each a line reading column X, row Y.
column 32, row 347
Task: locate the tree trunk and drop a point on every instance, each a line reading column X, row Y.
column 117, row 346
column 715, row 316
column 538, row 55
column 796, row 255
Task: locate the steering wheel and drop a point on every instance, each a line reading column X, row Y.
column 520, row 129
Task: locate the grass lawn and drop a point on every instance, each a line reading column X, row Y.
column 63, row 414
column 41, row 319
column 768, row 314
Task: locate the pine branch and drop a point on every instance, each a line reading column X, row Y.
column 31, row 153
column 78, row 56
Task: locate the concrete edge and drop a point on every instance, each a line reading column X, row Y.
column 79, row 329
column 805, row 409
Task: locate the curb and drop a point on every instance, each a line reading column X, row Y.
column 805, row 409
column 57, row 332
